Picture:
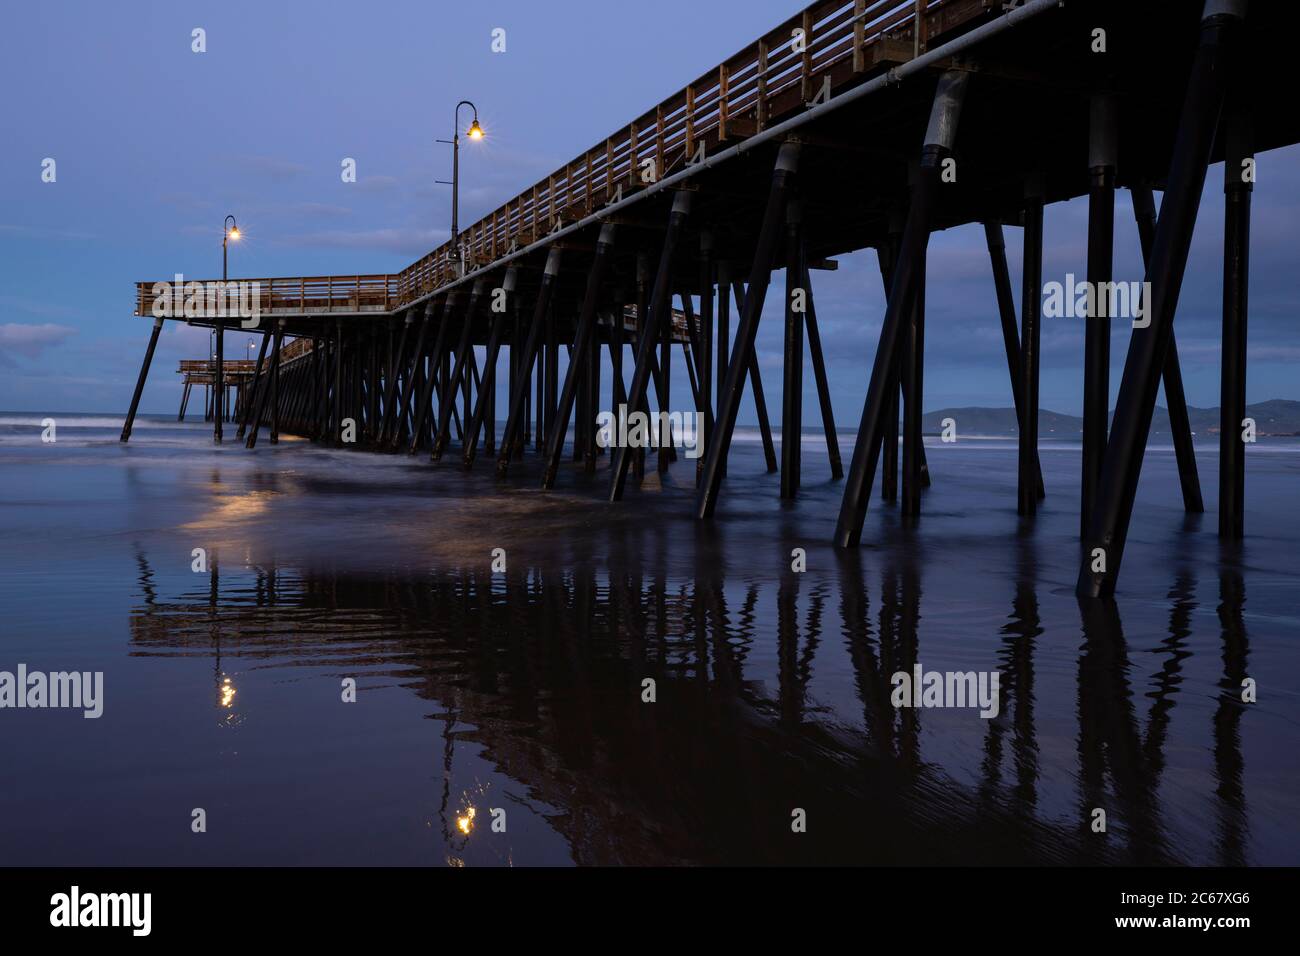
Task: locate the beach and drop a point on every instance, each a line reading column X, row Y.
column 522, row 690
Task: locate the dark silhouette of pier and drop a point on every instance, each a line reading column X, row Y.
column 854, row 124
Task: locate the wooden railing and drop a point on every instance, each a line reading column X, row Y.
column 201, row 372
column 833, row 42
column 295, row 295
column 228, row 366
column 295, row 347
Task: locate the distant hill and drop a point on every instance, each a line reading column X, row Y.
column 1274, row 417
column 974, row 420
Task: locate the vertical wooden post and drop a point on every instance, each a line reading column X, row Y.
column 792, row 386
column 1031, row 300
column 1237, row 186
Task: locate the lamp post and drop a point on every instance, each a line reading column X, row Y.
column 474, row 132
column 229, row 230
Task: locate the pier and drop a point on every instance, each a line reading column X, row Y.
column 236, row 374
column 852, row 125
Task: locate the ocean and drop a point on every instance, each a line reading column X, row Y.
column 501, row 716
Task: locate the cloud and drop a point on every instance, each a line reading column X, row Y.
column 32, row 340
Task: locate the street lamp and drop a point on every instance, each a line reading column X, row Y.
column 475, row 132
column 229, row 230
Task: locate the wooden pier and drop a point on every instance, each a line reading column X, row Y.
column 852, row 125
column 236, row 375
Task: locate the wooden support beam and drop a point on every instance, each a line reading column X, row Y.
column 265, row 397
column 792, row 385
column 743, row 356
column 1149, row 345
column 140, row 380
column 823, row 383
column 274, row 437
column 760, row 395
column 529, row 353
column 464, row 349
column 916, row 235
column 1237, row 187
column 395, row 362
column 887, row 254
column 1102, row 154
column 424, row 399
column 912, row 366
column 1031, row 299
column 660, row 303
column 1007, row 314
column 1180, row 426
column 397, row 422
column 579, row 360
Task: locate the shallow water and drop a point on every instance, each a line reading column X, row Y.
column 522, row 691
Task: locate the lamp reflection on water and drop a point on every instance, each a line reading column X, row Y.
column 226, row 692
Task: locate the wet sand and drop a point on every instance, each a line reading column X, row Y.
column 522, row 690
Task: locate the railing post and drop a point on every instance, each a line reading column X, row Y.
column 805, row 64
column 724, row 77
column 859, row 35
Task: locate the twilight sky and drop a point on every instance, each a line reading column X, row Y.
column 155, row 144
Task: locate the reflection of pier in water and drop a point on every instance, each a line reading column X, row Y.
column 543, row 670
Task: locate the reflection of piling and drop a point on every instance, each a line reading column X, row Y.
column 546, row 667
column 1229, row 765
